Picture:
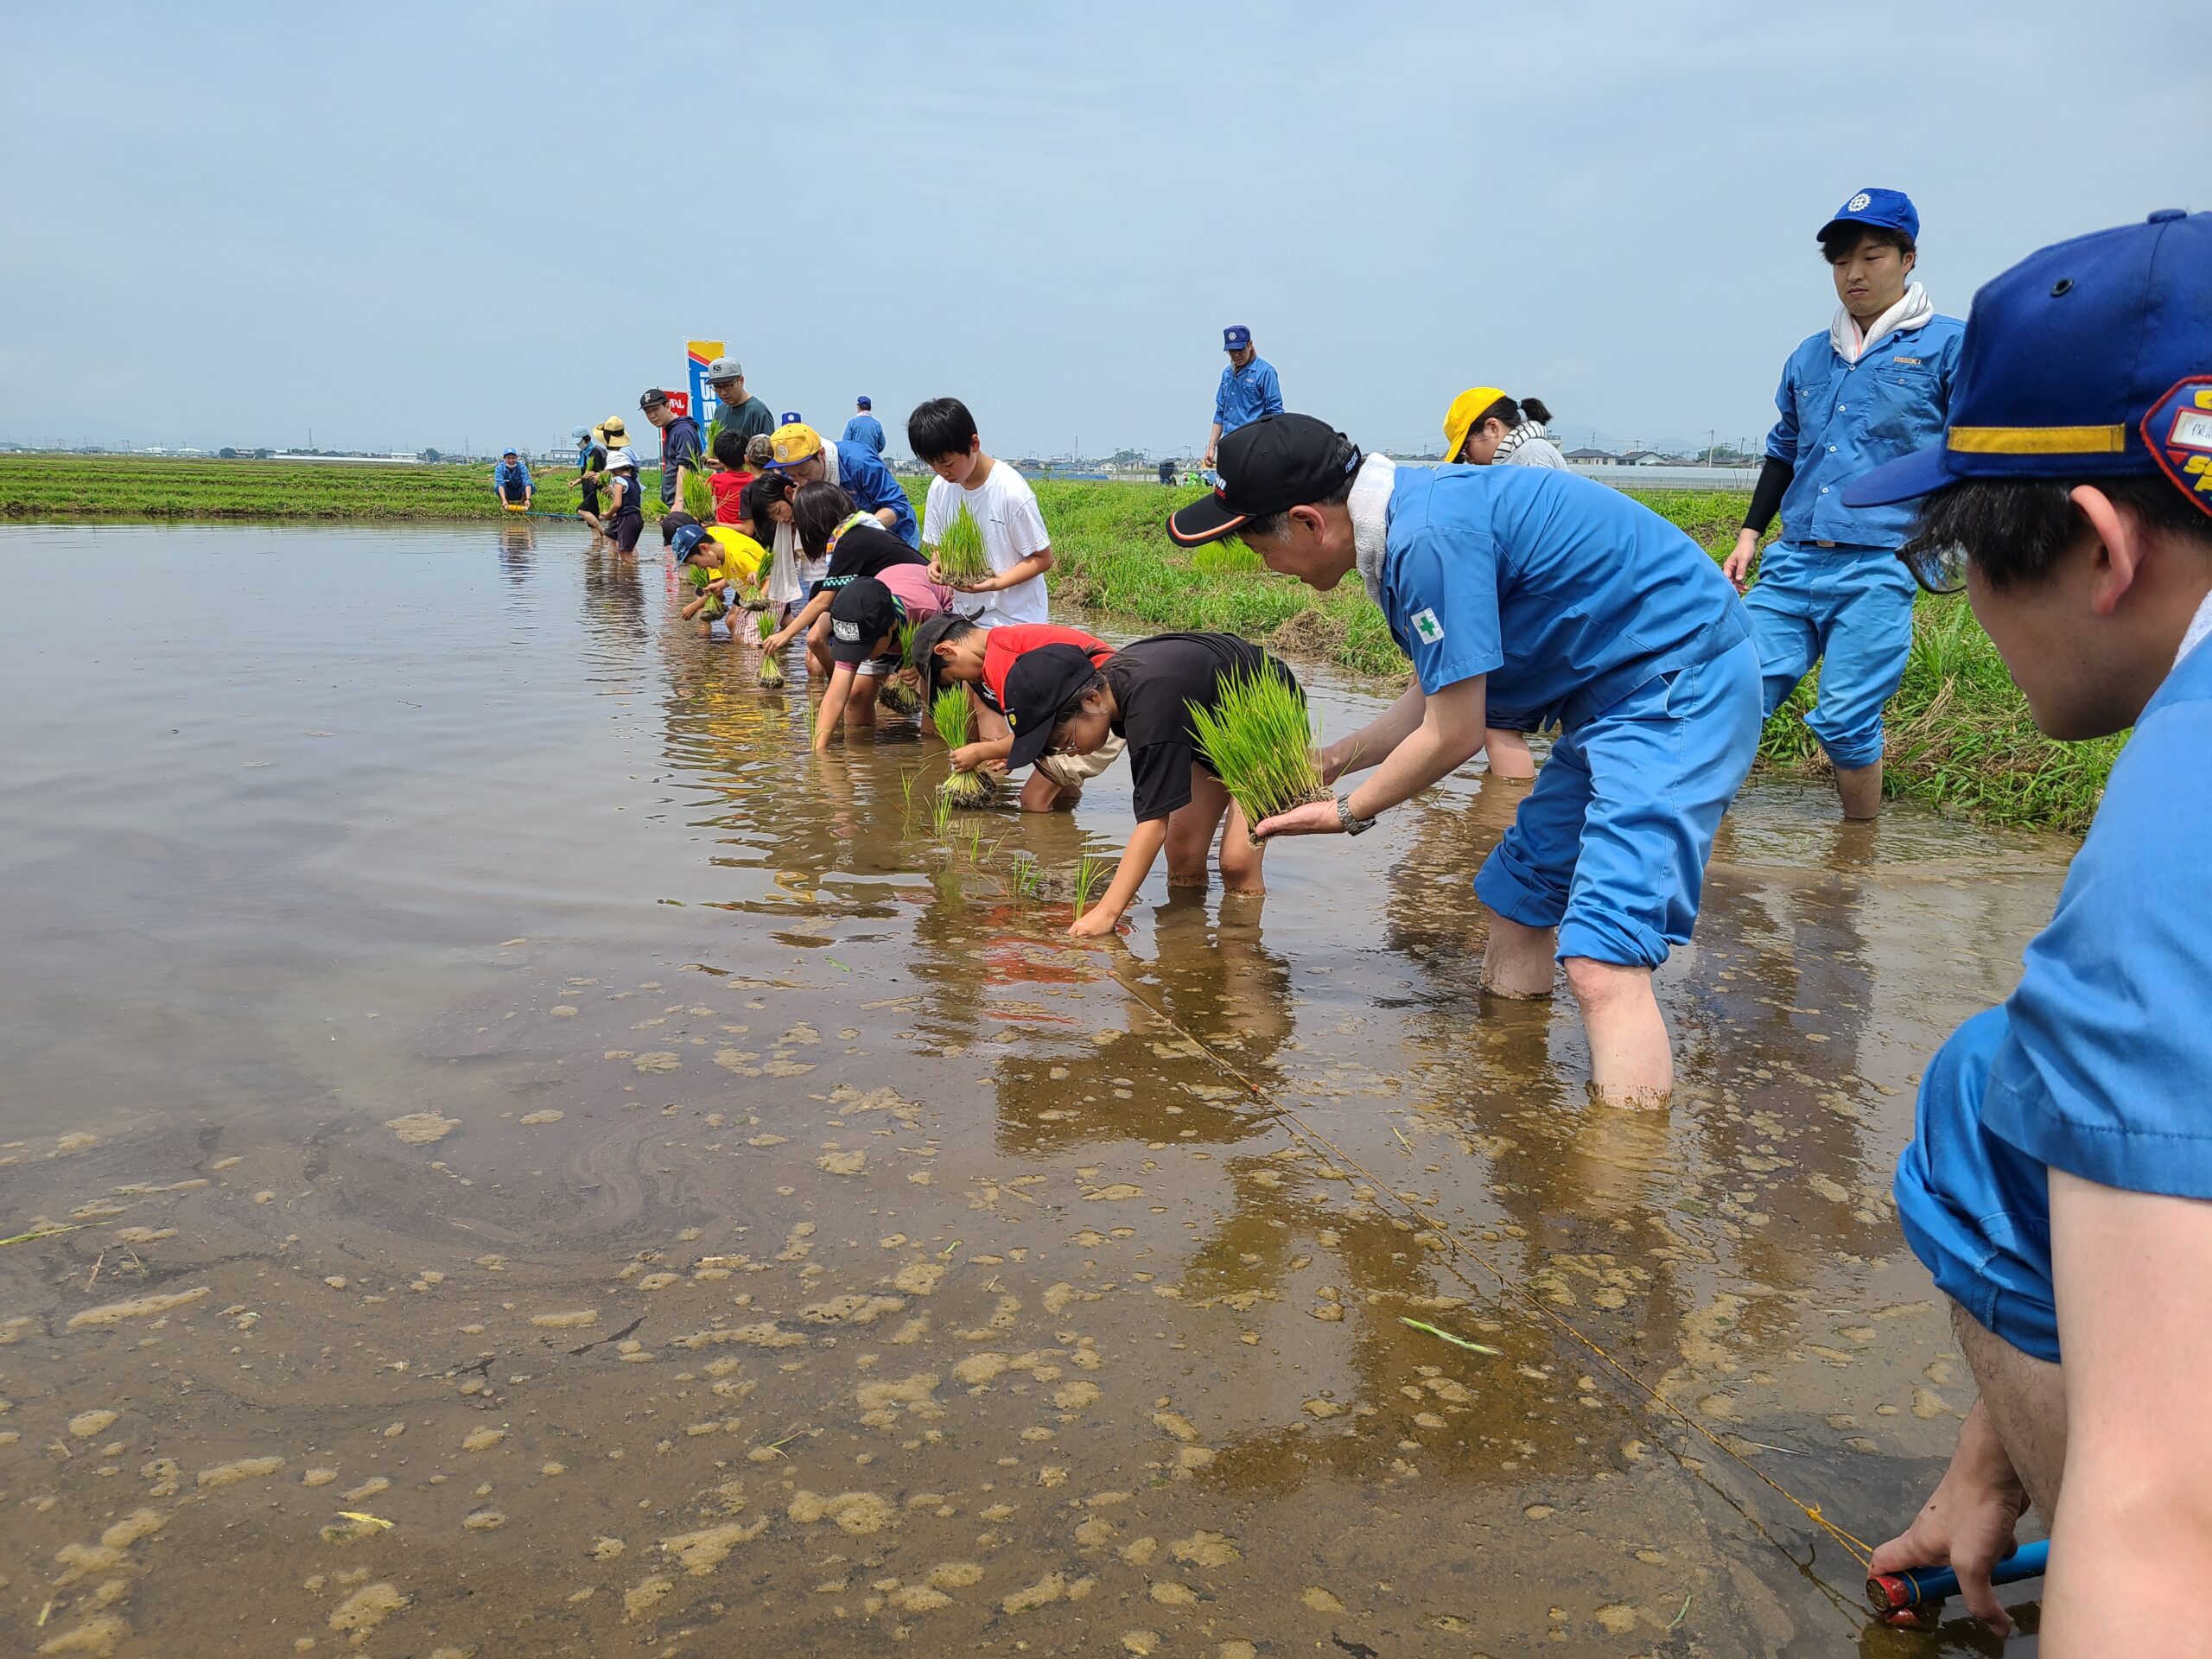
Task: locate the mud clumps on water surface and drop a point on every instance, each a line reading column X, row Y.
column 858, row 1514
column 421, row 1128
column 138, row 1307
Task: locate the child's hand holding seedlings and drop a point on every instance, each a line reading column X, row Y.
column 989, row 756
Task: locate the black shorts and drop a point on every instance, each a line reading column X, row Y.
column 625, row 529
column 590, row 499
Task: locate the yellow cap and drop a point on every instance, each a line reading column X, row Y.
column 1466, row 409
column 794, row 443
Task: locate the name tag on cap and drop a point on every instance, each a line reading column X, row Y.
column 849, row 632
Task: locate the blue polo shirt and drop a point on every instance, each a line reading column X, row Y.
column 1568, row 595
column 1841, row 420
column 2100, row 1063
column 1246, row 394
column 865, row 428
column 862, row 475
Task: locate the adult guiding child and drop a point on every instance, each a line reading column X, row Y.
column 2058, row 1185
column 1871, row 386
column 800, row 454
column 736, row 408
column 1559, row 598
column 1249, row 390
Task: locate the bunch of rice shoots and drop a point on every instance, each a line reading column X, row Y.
column 772, row 669
column 955, row 720
column 1259, row 739
column 960, row 556
column 894, row 693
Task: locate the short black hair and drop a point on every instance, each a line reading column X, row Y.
column 671, row 521
column 940, row 427
column 764, row 489
column 729, row 449
column 1842, row 240
column 1343, row 459
column 2015, row 530
column 817, row 511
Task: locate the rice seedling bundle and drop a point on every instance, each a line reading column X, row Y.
column 955, row 720
column 698, row 496
column 960, row 556
column 771, row 670
column 895, row 695
column 1260, row 741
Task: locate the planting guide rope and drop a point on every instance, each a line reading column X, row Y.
column 1853, row 1606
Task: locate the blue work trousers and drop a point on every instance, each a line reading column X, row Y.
column 1850, row 610
column 1610, row 847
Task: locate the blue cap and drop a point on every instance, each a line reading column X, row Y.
column 866, row 402
column 685, row 542
column 2089, row 358
column 1879, row 210
column 580, row 432
column 1235, row 338
column 793, row 419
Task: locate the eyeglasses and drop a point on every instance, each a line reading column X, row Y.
column 1937, row 569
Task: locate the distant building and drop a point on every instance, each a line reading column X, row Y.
column 1594, row 457
column 1643, row 458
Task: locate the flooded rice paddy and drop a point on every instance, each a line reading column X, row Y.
column 549, row 1168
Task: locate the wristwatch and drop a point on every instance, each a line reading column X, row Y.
column 1351, row 826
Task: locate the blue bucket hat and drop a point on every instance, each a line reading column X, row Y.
column 2089, row 358
column 1878, row 210
column 1236, row 338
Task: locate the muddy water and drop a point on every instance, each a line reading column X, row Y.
column 552, row 1168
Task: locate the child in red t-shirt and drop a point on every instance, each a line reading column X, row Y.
column 729, row 478
column 952, row 650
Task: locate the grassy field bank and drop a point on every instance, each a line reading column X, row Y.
column 1959, row 737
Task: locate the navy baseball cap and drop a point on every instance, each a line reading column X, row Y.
column 1236, row 338
column 1269, row 466
column 2089, row 358
column 1878, row 210
column 867, row 403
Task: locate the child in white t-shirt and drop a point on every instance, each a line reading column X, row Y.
column 943, row 435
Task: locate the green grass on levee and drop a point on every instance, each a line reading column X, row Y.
column 1959, row 735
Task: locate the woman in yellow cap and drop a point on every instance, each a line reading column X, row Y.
column 1485, row 428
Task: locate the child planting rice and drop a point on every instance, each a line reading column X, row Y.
column 1260, row 742
column 850, row 545
column 951, row 649
column 623, row 511
column 865, row 618
column 981, row 519
column 954, row 716
column 1149, row 692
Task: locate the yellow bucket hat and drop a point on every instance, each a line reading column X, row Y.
column 794, row 443
column 1460, row 419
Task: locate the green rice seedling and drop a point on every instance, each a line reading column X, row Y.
column 905, row 639
column 1258, row 738
column 906, row 793
column 766, row 624
column 955, row 720
column 1228, row 557
column 772, row 671
column 941, row 815
column 698, row 496
column 960, row 556
column 1090, row 871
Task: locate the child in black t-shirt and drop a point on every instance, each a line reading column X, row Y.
column 1057, row 701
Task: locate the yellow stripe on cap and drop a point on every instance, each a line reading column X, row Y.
column 2037, row 440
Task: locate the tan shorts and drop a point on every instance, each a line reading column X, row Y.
column 1074, row 771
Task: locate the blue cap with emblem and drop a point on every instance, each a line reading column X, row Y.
column 792, row 419
column 2089, row 358
column 1236, row 338
column 1878, row 210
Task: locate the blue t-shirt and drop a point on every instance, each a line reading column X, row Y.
column 1840, row 420
column 861, row 476
column 865, row 428
column 2106, row 1071
column 1568, row 595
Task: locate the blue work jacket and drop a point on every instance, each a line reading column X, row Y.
column 1565, row 592
column 1246, row 394
column 862, row 475
column 1841, row 420
column 865, row 428
column 503, row 475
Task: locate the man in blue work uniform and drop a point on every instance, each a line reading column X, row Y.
column 1248, row 389
column 1560, row 597
column 2059, row 1183
column 1873, row 386
column 865, row 428
column 854, row 468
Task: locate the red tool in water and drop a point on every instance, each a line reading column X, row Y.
column 1894, row 1594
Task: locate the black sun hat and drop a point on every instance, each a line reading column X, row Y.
column 1278, row 462
column 864, row 612
column 1038, row 687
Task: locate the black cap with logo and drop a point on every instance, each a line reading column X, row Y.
column 864, row 612
column 1278, row 462
column 1038, row 686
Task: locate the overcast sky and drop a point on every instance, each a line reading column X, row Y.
column 402, row 225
